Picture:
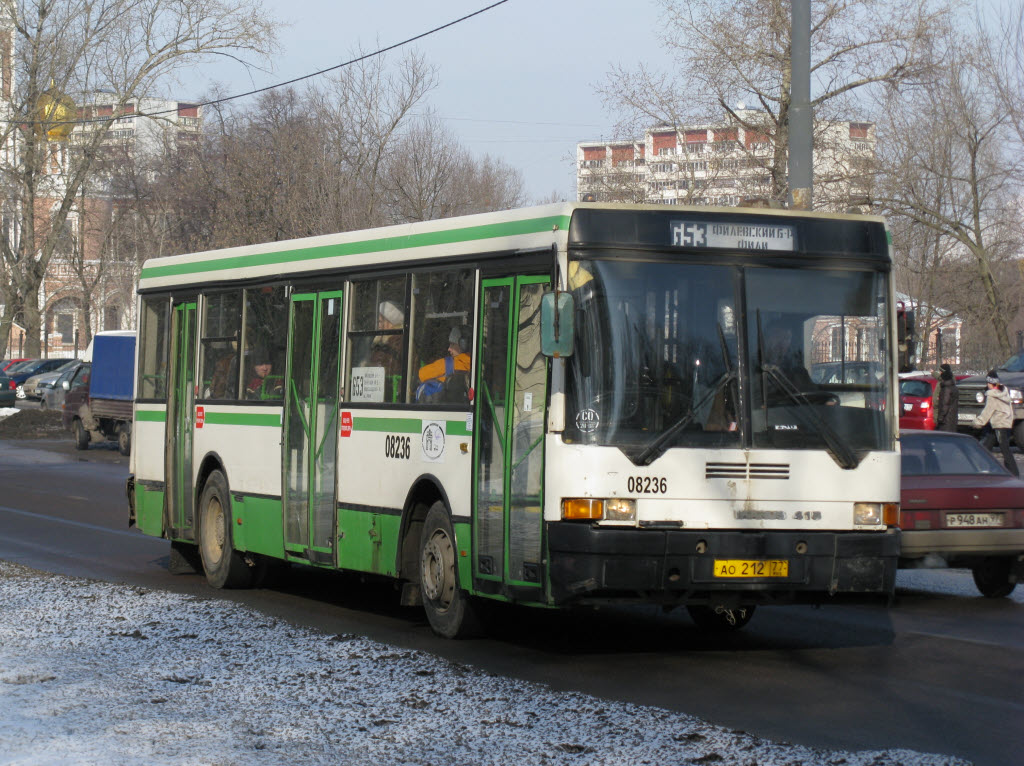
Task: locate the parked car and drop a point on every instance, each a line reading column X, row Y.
column 7, row 391
column 26, row 370
column 53, row 395
column 33, row 387
column 917, row 401
column 6, row 364
column 960, row 508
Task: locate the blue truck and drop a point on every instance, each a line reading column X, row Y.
column 98, row 404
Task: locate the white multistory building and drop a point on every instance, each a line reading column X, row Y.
column 722, row 163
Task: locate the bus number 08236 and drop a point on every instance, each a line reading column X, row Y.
column 397, row 447
column 647, row 485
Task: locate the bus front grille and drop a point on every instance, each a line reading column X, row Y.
column 746, row 471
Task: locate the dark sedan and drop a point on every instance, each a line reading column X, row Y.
column 7, row 391
column 961, row 508
column 26, row 370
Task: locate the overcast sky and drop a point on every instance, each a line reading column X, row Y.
column 517, row 82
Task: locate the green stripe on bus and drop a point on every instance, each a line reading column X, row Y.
column 151, row 416
column 406, row 426
column 272, row 420
column 385, row 244
column 391, row 425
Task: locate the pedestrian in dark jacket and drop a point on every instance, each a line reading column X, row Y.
column 946, row 405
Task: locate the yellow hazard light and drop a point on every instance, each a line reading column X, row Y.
column 891, row 514
column 582, row 508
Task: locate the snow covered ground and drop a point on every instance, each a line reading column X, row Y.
column 95, row 673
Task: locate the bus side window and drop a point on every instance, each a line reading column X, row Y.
column 442, row 339
column 376, row 341
column 266, row 325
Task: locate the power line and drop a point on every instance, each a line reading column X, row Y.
column 214, row 102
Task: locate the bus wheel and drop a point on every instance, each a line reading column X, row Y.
column 448, row 608
column 992, row 576
column 719, row 618
column 224, row 567
column 81, row 436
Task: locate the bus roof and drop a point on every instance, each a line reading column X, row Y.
column 523, row 229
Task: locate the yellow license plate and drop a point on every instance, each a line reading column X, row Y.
column 741, row 568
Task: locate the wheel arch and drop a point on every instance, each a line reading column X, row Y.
column 425, row 491
column 211, row 462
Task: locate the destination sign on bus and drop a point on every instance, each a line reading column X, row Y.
column 733, row 236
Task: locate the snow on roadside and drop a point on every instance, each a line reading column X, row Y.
column 96, row 673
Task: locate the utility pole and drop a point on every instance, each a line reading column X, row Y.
column 801, row 154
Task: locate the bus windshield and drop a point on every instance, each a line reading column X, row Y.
column 672, row 354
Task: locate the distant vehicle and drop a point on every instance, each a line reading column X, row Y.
column 917, row 408
column 6, row 364
column 33, row 387
column 7, row 391
column 971, row 397
column 960, row 508
column 26, row 370
column 53, row 395
column 98, row 403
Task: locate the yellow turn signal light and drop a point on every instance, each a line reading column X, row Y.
column 891, row 514
column 582, row 508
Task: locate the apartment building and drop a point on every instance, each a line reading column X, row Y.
column 721, row 164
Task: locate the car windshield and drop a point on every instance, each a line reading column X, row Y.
column 19, row 366
column 938, row 455
column 1014, row 364
column 692, row 354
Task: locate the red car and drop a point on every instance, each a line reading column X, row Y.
column 960, row 508
column 917, row 408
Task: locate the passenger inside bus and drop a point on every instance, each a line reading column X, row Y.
column 447, row 379
column 261, row 384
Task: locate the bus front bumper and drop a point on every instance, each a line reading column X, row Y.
column 674, row 566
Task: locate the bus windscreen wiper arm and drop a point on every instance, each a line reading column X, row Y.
column 657, row 447
column 837, row 448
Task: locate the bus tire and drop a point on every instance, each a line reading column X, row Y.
column 448, row 607
column 80, row 435
column 223, row 565
column 992, row 576
column 723, row 620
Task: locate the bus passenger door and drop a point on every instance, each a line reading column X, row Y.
column 311, row 425
column 180, row 411
column 511, row 395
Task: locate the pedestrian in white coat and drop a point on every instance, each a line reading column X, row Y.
column 998, row 415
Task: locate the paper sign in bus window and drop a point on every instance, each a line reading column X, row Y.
column 367, row 384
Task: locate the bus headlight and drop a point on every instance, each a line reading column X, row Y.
column 617, row 509
column 876, row 514
column 596, row 509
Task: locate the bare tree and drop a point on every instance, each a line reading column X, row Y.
column 728, row 53
column 57, row 50
column 951, row 166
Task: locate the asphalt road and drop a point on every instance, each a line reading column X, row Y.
column 936, row 673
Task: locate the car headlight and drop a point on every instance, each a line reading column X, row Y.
column 1016, row 396
column 876, row 514
column 596, row 509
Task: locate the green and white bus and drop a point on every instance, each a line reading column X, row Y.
column 567, row 404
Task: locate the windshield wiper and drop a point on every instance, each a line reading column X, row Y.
column 837, row 448
column 657, row 448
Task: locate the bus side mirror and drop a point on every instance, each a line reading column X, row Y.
column 557, row 320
